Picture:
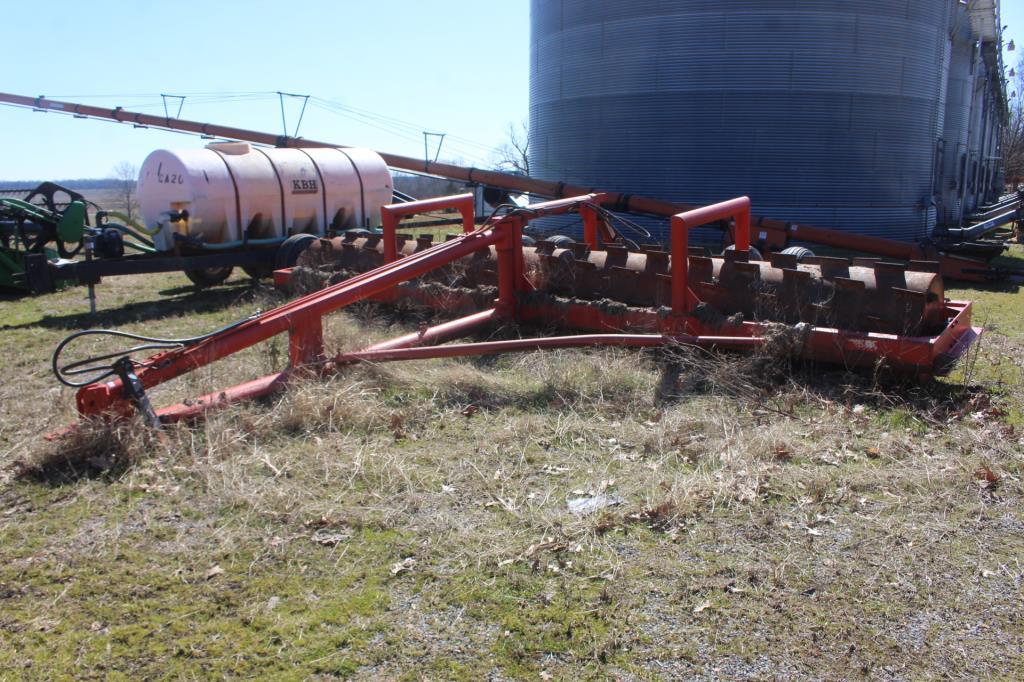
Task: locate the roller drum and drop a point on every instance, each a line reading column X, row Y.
column 870, row 296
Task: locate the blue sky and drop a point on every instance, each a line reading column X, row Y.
column 1012, row 12
column 449, row 66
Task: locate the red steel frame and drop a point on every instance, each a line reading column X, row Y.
column 391, row 215
column 683, row 299
column 302, row 318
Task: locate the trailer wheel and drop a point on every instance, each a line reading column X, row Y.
column 753, row 253
column 209, row 277
column 799, row 251
column 288, row 253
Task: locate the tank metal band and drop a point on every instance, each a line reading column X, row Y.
column 280, row 187
column 238, row 202
column 323, row 186
column 362, row 192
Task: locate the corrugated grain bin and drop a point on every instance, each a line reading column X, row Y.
column 823, row 111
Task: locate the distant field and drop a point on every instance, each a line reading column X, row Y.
column 416, row 521
column 105, row 198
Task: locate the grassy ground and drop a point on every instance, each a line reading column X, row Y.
column 423, row 520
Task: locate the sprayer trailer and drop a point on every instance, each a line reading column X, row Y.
column 203, row 211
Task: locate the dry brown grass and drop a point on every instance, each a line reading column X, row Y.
column 412, row 519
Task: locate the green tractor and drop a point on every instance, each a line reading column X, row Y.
column 39, row 225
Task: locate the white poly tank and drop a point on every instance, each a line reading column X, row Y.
column 233, row 191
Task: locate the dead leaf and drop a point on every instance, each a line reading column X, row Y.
column 329, row 539
column 214, row 571
column 657, row 518
column 548, row 544
column 987, row 478
column 700, row 608
column 403, row 566
column 397, row 421
column 322, row 522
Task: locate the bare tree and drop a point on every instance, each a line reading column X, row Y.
column 1013, row 133
column 125, row 175
column 513, row 154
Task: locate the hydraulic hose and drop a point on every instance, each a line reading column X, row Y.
column 100, row 372
column 149, row 232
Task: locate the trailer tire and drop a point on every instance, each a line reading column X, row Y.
column 799, row 251
column 753, row 252
column 209, row 277
column 288, row 253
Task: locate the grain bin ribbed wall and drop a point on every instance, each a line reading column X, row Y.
column 822, row 111
column 958, row 114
